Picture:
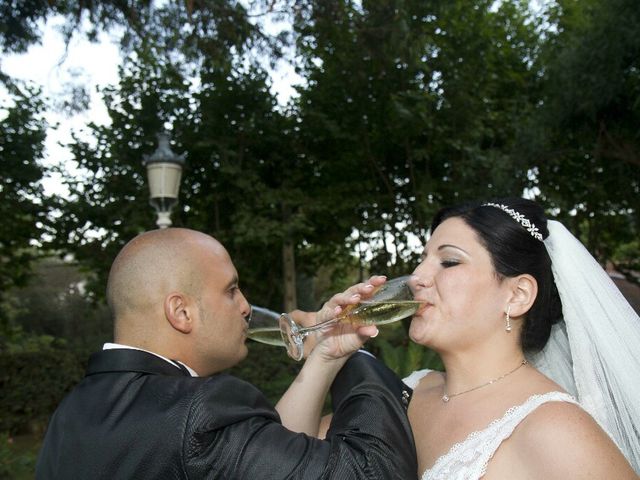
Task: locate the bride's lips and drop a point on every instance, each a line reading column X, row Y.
column 424, row 306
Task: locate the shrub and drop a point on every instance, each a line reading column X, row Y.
column 33, row 384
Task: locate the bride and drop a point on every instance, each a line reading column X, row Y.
column 541, row 352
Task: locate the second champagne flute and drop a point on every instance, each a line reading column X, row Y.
column 392, row 301
column 264, row 327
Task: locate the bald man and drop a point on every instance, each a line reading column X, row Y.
column 155, row 405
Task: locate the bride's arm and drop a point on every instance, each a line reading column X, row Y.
column 301, row 405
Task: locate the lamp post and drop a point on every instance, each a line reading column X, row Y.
column 164, row 170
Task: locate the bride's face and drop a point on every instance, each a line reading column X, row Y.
column 464, row 299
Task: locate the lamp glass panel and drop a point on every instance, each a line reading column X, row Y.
column 164, row 179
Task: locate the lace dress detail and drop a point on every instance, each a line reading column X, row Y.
column 468, row 459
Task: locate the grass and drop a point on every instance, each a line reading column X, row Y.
column 18, row 456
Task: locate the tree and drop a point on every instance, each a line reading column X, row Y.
column 410, row 105
column 584, row 138
column 52, row 309
column 22, row 208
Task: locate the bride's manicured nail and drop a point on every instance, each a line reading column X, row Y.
column 355, row 296
column 376, row 334
column 368, row 287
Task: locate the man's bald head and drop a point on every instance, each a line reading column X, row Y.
column 154, row 264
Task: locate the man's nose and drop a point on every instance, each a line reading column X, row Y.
column 245, row 308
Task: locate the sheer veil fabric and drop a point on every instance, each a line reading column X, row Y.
column 594, row 353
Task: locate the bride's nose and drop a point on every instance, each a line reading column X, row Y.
column 422, row 276
column 417, row 282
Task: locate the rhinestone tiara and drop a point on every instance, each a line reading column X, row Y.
column 518, row 217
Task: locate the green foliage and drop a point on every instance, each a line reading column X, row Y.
column 406, row 358
column 583, row 136
column 626, row 258
column 18, row 456
column 22, row 207
column 16, row 339
column 53, row 310
column 33, row 384
column 400, row 116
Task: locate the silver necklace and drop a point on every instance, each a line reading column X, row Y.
column 448, row 396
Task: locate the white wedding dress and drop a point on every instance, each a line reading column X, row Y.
column 468, row 459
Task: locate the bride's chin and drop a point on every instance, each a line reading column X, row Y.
column 418, row 331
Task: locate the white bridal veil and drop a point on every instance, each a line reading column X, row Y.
column 595, row 352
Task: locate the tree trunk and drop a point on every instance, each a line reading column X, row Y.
column 289, row 273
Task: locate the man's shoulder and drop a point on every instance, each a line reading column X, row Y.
column 228, row 389
column 224, row 399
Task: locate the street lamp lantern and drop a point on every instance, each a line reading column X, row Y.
column 164, row 170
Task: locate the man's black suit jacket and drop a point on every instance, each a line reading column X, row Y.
column 136, row 416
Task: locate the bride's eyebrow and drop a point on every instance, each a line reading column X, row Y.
column 446, row 245
column 423, row 257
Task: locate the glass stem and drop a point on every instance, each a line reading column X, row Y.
column 318, row 326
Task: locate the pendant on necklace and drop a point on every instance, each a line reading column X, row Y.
column 445, row 398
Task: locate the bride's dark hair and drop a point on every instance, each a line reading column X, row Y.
column 515, row 251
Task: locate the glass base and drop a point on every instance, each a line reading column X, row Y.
column 291, row 336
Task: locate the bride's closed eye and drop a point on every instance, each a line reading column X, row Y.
column 449, row 263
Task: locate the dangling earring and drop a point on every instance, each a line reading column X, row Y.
column 508, row 319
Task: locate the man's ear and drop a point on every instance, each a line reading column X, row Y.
column 523, row 294
column 179, row 312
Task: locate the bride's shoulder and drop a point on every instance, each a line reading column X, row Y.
column 555, row 418
column 556, row 425
column 425, row 378
column 565, row 435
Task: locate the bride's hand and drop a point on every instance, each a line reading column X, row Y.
column 342, row 338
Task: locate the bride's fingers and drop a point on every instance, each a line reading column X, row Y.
column 377, row 280
column 351, row 296
column 369, row 331
column 366, row 289
column 336, row 304
column 354, row 293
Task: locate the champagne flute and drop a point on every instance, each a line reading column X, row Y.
column 264, row 327
column 390, row 302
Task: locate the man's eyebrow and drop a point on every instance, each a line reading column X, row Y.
column 232, row 283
